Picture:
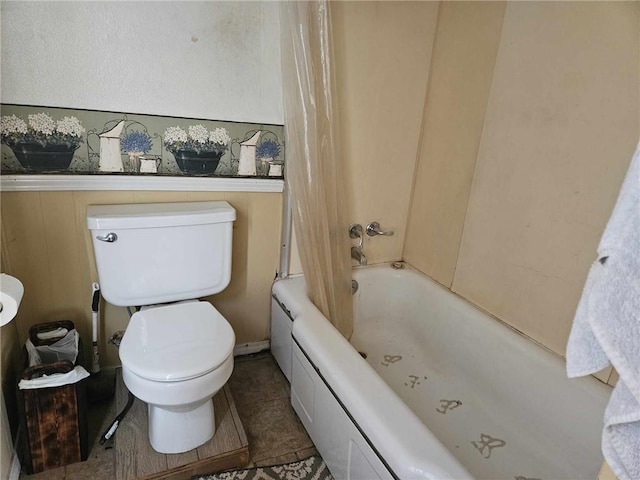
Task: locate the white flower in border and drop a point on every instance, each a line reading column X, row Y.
column 199, row 139
column 175, row 135
column 220, row 136
column 42, row 123
column 11, row 124
column 199, row 133
column 42, row 129
column 70, row 126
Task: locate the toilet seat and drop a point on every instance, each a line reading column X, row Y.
column 176, row 342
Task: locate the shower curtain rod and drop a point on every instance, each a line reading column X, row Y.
column 285, row 234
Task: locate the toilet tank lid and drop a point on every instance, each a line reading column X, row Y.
column 150, row 215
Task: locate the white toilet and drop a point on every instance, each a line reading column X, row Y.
column 175, row 356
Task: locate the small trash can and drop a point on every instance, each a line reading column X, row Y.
column 52, row 401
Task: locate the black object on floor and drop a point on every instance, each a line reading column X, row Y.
column 114, row 426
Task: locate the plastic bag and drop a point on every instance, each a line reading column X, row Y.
column 64, row 349
column 57, row 352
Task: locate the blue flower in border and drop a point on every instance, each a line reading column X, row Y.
column 268, row 149
column 136, row 142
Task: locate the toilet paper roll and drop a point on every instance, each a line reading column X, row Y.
column 11, row 291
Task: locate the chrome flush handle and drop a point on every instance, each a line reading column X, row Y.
column 373, row 229
column 109, row 237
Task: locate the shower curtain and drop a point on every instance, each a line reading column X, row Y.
column 313, row 165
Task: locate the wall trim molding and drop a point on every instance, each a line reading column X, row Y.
column 34, row 183
column 252, row 347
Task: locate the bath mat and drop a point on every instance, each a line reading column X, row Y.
column 312, row 468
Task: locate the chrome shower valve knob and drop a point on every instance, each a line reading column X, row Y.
column 373, row 229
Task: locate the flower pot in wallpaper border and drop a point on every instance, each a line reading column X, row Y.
column 135, row 144
column 267, row 152
column 39, row 158
column 191, row 161
column 198, row 150
column 41, row 143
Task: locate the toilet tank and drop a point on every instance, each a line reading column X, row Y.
column 161, row 252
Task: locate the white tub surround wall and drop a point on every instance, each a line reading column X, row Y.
column 526, row 139
column 382, row 66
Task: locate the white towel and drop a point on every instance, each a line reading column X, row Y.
column 606, row 328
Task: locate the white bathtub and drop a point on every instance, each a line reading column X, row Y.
column 446, row 391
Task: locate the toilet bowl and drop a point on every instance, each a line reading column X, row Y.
column 176, row 358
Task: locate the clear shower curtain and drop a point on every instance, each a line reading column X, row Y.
column 313, row 173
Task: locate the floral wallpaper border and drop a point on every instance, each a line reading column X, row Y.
column 54, row 140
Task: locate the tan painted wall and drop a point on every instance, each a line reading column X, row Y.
column 9, row 359
column 6, row 443
column 9, row 351
column 560, row 126
column 47, row 241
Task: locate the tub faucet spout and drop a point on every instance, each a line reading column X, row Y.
column 357, row 254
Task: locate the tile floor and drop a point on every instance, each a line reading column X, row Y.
column 261, row 394
column 273, row 429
